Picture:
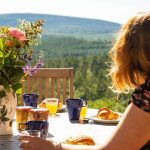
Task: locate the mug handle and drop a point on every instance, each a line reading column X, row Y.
column 23, row 123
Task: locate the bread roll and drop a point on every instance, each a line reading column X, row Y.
column 80, row 140
column 106, row 114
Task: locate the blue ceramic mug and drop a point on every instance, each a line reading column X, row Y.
column 74, row 106
column 30, row 99
column 42, row 126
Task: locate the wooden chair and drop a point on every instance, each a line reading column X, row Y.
column 51, row 82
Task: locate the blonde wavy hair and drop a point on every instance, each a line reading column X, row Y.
column 131, row 53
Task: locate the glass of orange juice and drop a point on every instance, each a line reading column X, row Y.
column 83, row 110
column 52, row 105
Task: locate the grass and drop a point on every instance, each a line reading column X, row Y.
column 112, row 104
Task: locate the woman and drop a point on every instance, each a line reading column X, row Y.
column 130, row 70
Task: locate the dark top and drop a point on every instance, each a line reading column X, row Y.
column 141, row 98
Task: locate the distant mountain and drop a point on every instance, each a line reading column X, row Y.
column 66, row 26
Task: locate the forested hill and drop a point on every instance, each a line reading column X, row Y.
column 66, row 26
column 79, row 43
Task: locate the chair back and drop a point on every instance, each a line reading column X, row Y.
column 51, row 82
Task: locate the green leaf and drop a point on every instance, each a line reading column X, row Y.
column 5, row 72
column 5, row 84
column 2, row 94
column 7, row 61
column 16, row 86
column 19, row 91
column 1, row 43
column 19, row 63
column 1, row 54
column 16, row 75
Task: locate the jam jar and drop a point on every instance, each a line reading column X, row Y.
column 39, row 114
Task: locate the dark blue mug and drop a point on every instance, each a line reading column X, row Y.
column 30, row 99
column 42, row 126
column 74, row 106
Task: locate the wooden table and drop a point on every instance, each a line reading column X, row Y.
column 60, row 128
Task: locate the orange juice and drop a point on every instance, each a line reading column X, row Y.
column 52, row 108
column 52, row 105
column 83, row 112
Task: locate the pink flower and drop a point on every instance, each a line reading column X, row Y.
column 17, row 33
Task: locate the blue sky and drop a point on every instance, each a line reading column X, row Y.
column 111, row 10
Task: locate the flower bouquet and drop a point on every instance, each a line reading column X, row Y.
column 16, row 47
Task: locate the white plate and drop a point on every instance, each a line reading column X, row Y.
column 70, row 146
column 99, row 120
column 61, row 109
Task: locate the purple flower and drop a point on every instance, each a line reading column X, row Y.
column 29, row 70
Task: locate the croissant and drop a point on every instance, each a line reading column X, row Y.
column 80, row 140
column 106, row 114
column 42, row 104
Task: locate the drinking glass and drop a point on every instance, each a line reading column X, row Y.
column 22, row 114
column 52, row 105
column 83, row 110
column 38, row 114
column 36, row 133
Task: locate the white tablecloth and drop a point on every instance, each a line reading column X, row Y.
column 61, row 128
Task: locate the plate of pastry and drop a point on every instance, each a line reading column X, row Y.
column 62, row 109
column 80, row 140
column 105, row 115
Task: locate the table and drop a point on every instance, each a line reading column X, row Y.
column 60, row 128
